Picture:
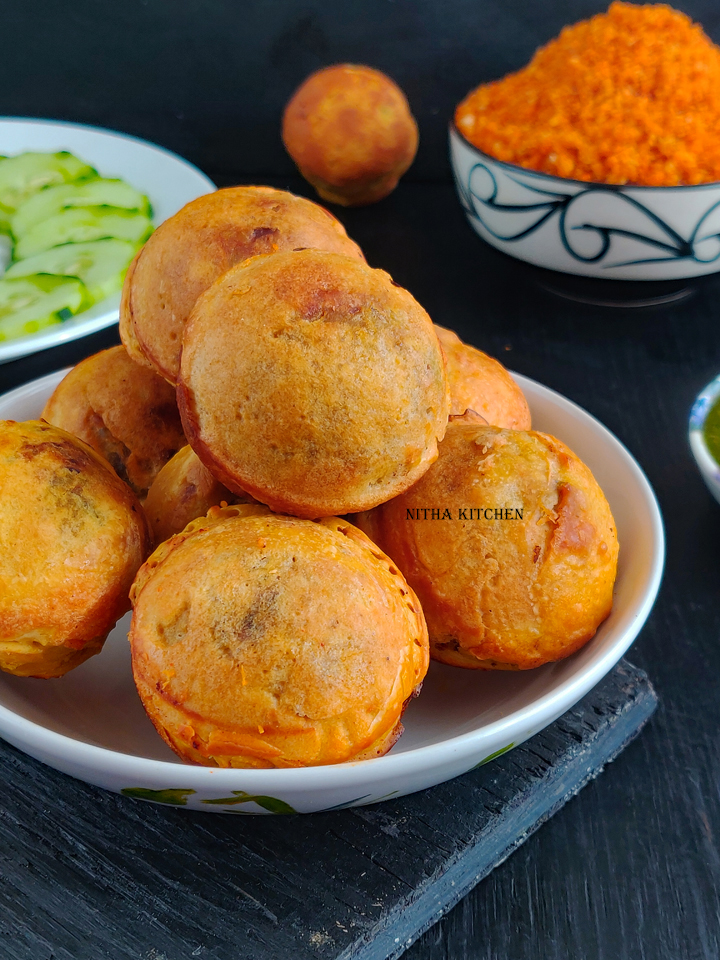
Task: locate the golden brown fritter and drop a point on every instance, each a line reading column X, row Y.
column 196, row 246
column 479, row 382
column 183, row 491
column 72, row 537
column 520, row 570
column 313, row 383
column 350, row 131
column 268, row 641
column 127, row 413
column 127, row 330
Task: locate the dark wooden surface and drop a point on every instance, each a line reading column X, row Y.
column 89, row 875
column 630, row 869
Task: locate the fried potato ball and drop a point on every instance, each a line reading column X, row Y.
column 520, row 569
column 313, row 383
column 72, row 537
column 481, row 383
column 268, row 641
column 183, row 491
column 196, row 246
column 127, row 413
column 350, row 131
column 126, row 326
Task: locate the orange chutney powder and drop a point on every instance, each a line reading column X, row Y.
column 629, row 96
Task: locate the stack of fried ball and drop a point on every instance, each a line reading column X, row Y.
column 271, row 385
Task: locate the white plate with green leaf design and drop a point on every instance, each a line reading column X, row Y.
column 91, row 725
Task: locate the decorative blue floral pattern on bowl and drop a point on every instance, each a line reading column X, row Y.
column 708, row 466
column 613, row 232
column 699, row 412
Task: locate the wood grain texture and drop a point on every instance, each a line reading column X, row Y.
column 209, row 78
column 89, row 875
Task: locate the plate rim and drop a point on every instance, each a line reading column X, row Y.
column 59, row 334
column 537, row 715
column 56, row 335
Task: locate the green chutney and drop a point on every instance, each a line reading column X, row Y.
column 711, row 430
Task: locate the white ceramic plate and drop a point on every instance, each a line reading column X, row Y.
column 169, row 181
column 91, row 724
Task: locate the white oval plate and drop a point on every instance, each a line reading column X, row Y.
column 169, row 181
column 91, row 724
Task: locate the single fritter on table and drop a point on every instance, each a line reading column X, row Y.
column 197, row 245
column 350, row 131
column 127, row 413
column 72, row 537
column 508, row 542
column 183, row 491
column 481, row 383
column 313, row 383
column 269, row 641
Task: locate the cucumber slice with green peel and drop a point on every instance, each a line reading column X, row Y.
column 5, row 252
column 100, row 264
column 5, row 219
column 90, row 193
column 81, row 224
column 29, row 304
column 24, row 175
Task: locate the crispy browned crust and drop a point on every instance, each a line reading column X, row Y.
column 72, row 536
column 127, row 329
column 268, row 641
column 509, row 593
column 350, row 131
column 201, row 242
column 313, row 383
column 127, row 413
column 479, row 382
column 183, row 491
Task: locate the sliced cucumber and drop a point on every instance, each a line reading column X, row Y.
column 81, row 224
column 5, row 252
column 90, row 193
column 101, row 264
column 29, row 304
column 75, row 234
column 24, row 175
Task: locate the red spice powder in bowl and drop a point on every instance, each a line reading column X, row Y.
column 601, row 157
column 628, row 96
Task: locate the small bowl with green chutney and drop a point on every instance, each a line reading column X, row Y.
column 705, row 435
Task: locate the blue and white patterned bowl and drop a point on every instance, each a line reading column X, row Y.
column 707, row 464
column 591, row 229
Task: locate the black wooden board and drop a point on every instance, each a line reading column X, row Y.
column 88, row 875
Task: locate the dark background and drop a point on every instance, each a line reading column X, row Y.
column 209, row 78
column 631, row 868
